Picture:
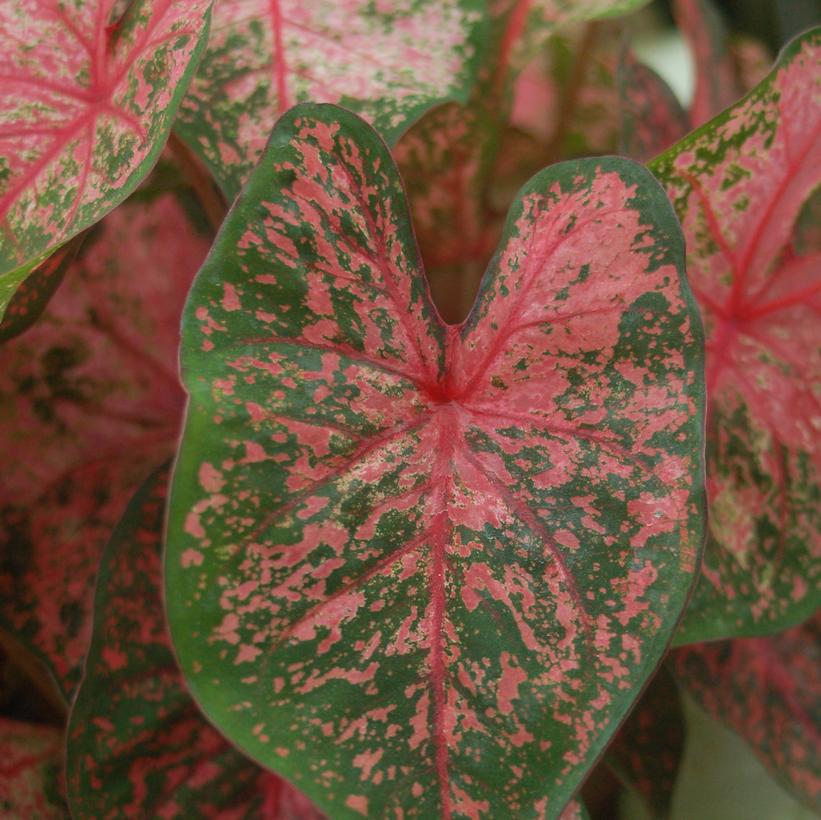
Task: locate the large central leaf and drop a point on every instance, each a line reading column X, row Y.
column 85, row 108
column 419, row 565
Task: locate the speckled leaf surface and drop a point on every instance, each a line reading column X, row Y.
column 91, row 403
column 646, row 753
column 769, row 691
column 85, row 108
column 137, row 744
column 426, row 566
column 738, row 185
column 30, row 765
column 387, row 61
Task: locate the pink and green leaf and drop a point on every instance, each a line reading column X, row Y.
column 739, row 185
column 91, row 402
column 389, row 62
column 85, row 108
column 646, row 753
column 30, row 771
column 413, row 564
column 137, row 744
column 652, row 119
column 769, row 691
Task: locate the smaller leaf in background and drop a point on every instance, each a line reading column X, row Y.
column 30, row 771
column 137, row 744
column 652, row 118
column 739, row 185
column 91, row 403
column 389, row 62
column 646, row 753
column 717, row 83
column 768, row 690
column 31, row 298
column 84, row 111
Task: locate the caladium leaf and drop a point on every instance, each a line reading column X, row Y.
column 31, row 298
column 84, row 111
column 651, row 117
column 717, row 84
column 30, row 770
column 738, row 185
column 390, row 62
column 402, row 552
column 137, row 744
column 769, row 691
column 646, row 753
column 91, row 403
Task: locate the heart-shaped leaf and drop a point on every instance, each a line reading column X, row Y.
column 30, row 764
column 85, row 108
column 646, row 753
column 738, row 185
column 388, row 61
column 769, row 691
column 91, row 402
column 419, row 565
column 137, row 744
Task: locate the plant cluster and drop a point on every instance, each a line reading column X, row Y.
column 402, row 402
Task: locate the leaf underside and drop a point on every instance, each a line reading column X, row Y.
column 388, row 62
column 739, row 185
column 92, row 404
column 137, row 744
column 85, row 108
column 426, row 566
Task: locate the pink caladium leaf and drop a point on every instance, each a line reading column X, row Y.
column 646, row 753
column 739, row 185
column 421, row 565
column 651, row 117
column 91, row 402
column 717, row 82
column 85, row 109
column 137, row 744
column 30, row 770
column 388, row 61
column 769, row 691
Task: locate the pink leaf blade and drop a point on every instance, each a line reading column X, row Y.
column 93, row 403
column 389, row 64
column 739, row 185
column 82, row 120
column 381, row 584
column 132, row 722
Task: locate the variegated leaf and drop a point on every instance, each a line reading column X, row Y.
column 646, row 753
column 421, row 566
column 30, row 771
column 769, row 691
column 90, row 403
column 388, row 61
column 85, row 107
column 738, row 185
column 137, row 744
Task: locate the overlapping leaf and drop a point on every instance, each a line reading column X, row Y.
column 769, row 691
column 137, row 744
column 425, row 566
column 646, row 753
column 30, row 765
column 91, row 403
column 388, row 61
column 85, row 108
column 738, row 185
